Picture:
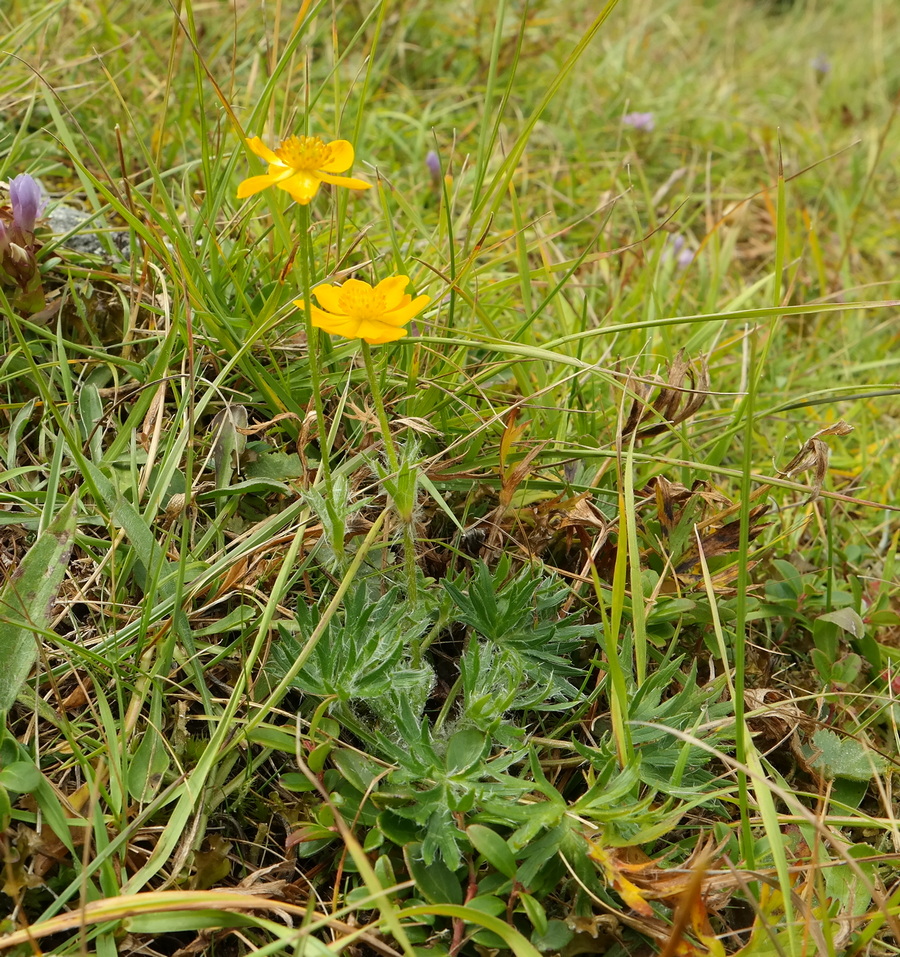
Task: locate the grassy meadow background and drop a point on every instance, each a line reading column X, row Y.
column 600, row 652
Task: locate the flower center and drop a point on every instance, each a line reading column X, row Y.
column 362, row 304
column 304, row 152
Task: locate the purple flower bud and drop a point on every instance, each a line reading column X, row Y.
column 821, row 64
column 25, row 199
column 639, row 121
column 433, row 162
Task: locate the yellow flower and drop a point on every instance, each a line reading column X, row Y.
column 357, row 310
column 300, row 165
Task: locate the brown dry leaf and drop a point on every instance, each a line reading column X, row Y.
column 720, row 581
column 782, row 716
column 814, row 454
column 722, row 540
column 417, row 424
column 540, row 524
column 673, row 499
column 501, row 520
column 154, row 414
column 675, row 403
column 513, row 478
column 611, row 863
column 51, row 850
column 691, row 910
column 77, row 698
column 262, row 426
column 534, row 527
column 638, row 879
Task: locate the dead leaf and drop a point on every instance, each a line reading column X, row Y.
column 722, row 540
column 77, row 698
column 781, row 716
column 611, row 863
column 675, row 402
column 814, row 454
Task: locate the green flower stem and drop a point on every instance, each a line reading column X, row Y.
column 406, row 515
column 304, row 254
column 375, row 388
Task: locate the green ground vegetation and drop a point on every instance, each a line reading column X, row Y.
column 566, row 624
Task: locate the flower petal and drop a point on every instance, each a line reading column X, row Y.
column 348, row 328
column 341, row 156
column 302, row 186
column 393, row 289
column 263, row 151
column 406, row 312
column 253, row 185
column 329, row 298
column 347, row 181
column 358, row 288
column 279, row 172
column 376, row 333
column 333, row 324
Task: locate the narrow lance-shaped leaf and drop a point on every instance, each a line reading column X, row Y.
column 27, row 597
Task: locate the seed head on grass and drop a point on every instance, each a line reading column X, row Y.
column 300, row 165
column 356, row 310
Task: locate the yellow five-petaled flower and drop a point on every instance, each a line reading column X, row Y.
column 357, row 310
column 300, row 165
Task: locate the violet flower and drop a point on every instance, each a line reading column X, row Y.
column 678, row 249
column 644, row 122
column 433, row 162
column 18, row 245
column 25, row 199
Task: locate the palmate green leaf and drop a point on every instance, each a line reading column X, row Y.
column 27, row 597
column 435, row 780
column 363, row 654
column 661, row 753
column 520, row 617
column 493, row 684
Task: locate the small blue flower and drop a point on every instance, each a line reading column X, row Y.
column 640, row 121
column 821, row 64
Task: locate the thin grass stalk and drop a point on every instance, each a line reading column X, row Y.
column 638, row 614
column 617, row 686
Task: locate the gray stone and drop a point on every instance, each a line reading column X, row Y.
column 85, row 237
